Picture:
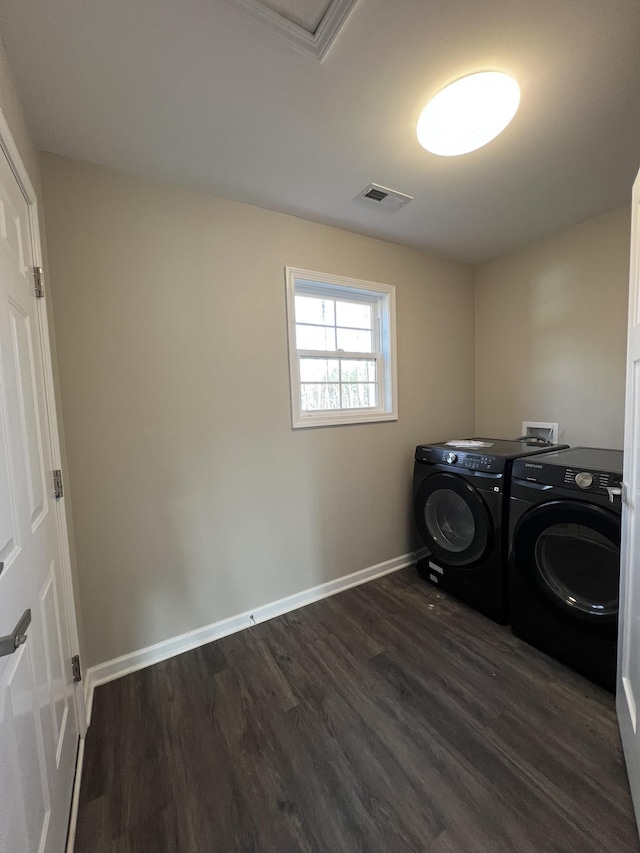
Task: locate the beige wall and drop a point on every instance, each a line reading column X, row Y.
column 551, row 324
column 193, row 498
column 13, row 113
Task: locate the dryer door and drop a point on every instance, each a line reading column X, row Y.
column 453, row 519
column 571, row 551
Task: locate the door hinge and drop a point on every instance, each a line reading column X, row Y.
column 38, row 277
column 58, row 491
column 75, row 669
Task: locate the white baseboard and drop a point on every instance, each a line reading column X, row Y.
column 116, row 668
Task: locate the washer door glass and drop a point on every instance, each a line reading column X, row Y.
column 579, row 566
column 449, row 520
column 452, row 519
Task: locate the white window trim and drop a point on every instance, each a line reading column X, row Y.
column 384, row 298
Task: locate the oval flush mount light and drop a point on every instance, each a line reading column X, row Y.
column 468, row 113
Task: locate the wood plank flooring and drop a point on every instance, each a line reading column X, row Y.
column 388, row 718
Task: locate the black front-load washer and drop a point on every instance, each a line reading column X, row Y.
column 460, row 502
column 565, row 557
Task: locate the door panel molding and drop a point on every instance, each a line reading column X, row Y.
column 40, row 702
column 10, row 150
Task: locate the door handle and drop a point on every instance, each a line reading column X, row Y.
column 11, row 642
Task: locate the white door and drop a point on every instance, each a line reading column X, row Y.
column 39, row 720
column 628, row 688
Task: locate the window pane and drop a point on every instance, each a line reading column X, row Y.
column 319, row 370
column 353, row 314
column 352, row 340
column 315, row 337
column 320, row 396
column 310, row 309
column 358, row 371
column 362, row 396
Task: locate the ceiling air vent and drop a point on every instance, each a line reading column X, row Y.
column 383, row 197
column 376, row 195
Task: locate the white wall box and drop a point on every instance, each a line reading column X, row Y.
column 540, row 429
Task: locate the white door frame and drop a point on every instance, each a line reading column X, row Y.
column 12, row 154
column 627, row 687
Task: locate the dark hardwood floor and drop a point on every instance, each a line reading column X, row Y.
column 388, row 718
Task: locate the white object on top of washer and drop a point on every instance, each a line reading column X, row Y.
column 470, row 443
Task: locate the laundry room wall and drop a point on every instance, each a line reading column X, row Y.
column 551, row 329
column 15, row 118
column 193, row 498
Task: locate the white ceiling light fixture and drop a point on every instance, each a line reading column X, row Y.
column 468, row 113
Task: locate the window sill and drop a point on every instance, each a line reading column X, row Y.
column 343, row 420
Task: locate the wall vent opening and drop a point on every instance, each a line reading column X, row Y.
column 383, row 197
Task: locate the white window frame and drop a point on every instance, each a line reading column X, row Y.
column 382, row 298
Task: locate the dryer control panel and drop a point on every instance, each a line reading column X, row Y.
column 589, row 480
column 574, row 478
column 460, row 459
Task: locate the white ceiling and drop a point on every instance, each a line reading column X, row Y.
column 202, row 94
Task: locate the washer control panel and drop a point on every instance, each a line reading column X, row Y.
column 479, row 463
column 460, row 459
